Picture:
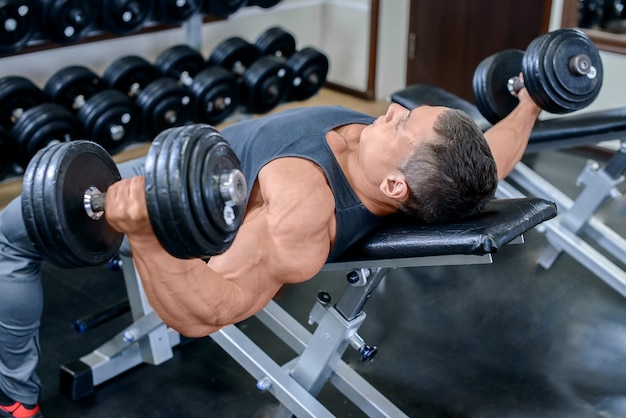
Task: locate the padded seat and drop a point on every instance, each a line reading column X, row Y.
column 500, row 222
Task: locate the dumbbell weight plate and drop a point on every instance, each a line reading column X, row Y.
column 489, row 84
column 110, row 119
column 204, row 223
column 225, row 217
column 176, row 11
column 310, row 69
column 216, row 94
column 169, row 204
column 18, row 23
column 265, row 4
column 130, row 75
column 235, row 54
column 165, row 104
column 36, row 227
column 73, row 85
column 265, row 84
column 53, row 209
column 158, row 193
column 222, row 8
column 276, row 41
column 180, row 62
column 17, row 94
column 41, row 126
column 120, row 17
column 66, row 21
column 547, row 74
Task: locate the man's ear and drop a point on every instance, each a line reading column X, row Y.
column 395, row 186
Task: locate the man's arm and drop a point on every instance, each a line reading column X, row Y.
column 509, row 137
column 283, row 239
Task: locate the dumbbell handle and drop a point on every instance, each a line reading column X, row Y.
column 93, row 202
column 232, row 189
column 514, row 85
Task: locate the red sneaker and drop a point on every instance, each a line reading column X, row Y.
column 17, row 410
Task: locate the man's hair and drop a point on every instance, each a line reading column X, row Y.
column 451, row 176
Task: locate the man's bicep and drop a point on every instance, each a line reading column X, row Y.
column 269, row 252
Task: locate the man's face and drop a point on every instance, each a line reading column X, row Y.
column 392, row 137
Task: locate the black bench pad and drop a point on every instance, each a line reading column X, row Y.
column 427, row 94
column 500, row 222
column 575, row 129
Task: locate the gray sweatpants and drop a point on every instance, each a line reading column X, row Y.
column 21, row 300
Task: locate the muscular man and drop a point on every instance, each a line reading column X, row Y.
column 318, row 179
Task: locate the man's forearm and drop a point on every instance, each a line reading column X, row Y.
column 186, row 294
column 509, row 137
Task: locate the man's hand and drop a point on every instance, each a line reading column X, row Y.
column 526, row 102
column 125, row 207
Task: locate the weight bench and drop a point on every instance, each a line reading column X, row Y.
column 399, row 242
column 577, row 220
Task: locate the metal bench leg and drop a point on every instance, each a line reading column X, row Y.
column 146, row 340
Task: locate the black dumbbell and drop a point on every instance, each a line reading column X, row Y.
column 176, row 11
column 195, row 193
column 561, row 70
column 66, row 21
column 162, row 101
column 120, row 17
column 130, row 74
column 109, row 117
column 215, row 89
column 30, row 121
column 19, row 21
column 264, row 4
column 263, row 81
column 222, row 8
column 308, row 66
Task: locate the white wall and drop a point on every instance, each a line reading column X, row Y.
column 392, row 46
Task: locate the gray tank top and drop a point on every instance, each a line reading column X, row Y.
column 302, row 133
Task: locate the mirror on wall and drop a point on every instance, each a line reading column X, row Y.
column 603, row 20
column 603, row 15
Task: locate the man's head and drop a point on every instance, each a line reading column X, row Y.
column 445, row 168
column 452, row 176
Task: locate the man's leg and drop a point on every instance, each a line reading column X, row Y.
column 21, row 301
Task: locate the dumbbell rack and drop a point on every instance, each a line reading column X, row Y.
column 270, row 79
column 192, row 30
column 192, row 34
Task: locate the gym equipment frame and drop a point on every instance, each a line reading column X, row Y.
column 399, row 242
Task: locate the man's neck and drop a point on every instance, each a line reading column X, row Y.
column 344, row 142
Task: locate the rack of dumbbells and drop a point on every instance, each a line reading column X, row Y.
column 135, row 99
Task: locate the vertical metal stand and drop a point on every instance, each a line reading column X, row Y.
column 193, row 31
column 146, row 340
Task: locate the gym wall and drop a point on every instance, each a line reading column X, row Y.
column 340, row 28
column 392, row 47
column 316, row 23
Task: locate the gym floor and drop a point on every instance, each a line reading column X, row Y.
column 505, row 340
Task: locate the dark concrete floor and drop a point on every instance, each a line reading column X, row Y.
column 505, row 340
